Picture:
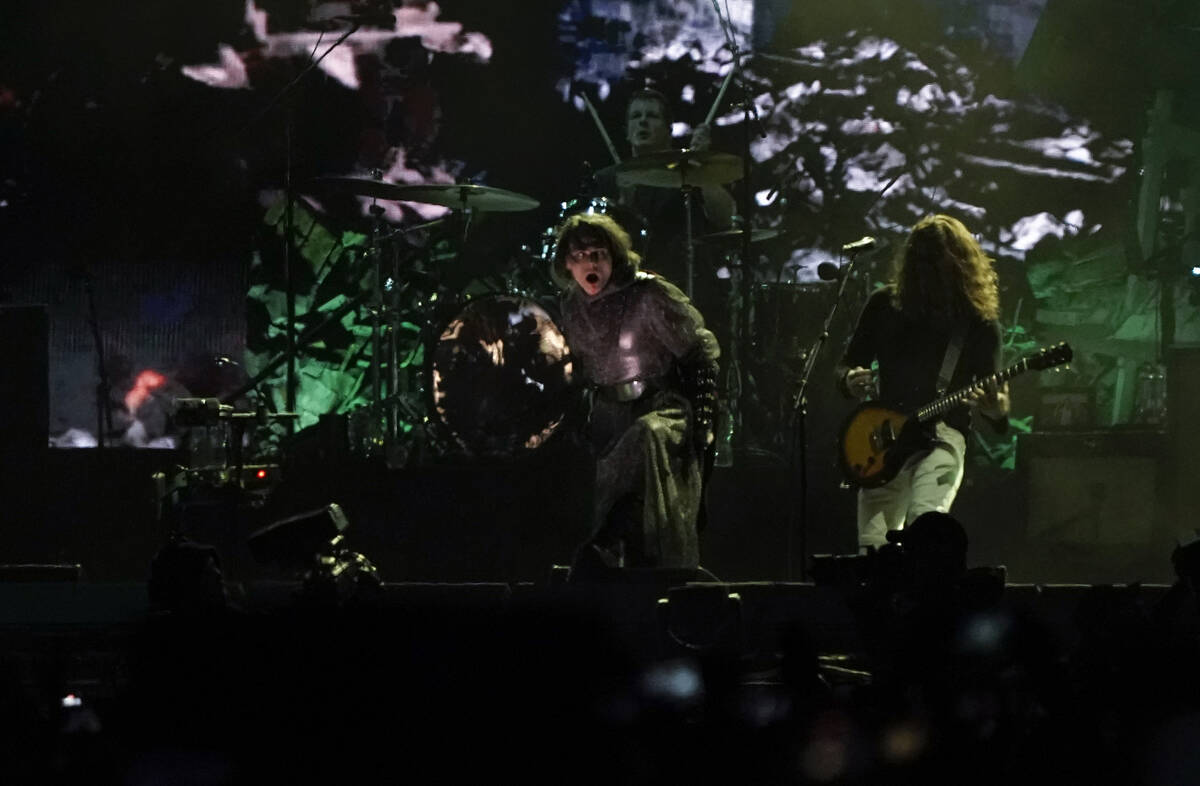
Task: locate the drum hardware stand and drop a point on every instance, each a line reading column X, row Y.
column 385, row 296
column 206, row 413
column 749, row 114
column 390, row 401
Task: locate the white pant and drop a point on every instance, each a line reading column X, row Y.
column 927, row 481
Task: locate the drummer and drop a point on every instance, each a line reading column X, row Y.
column 643, row 349
column 648, row 130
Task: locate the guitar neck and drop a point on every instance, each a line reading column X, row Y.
column 951, row 400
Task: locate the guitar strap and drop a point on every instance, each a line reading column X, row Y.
column 950, row 361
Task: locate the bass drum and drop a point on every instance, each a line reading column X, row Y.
column 501, row 379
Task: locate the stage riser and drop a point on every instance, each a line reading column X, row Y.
column 752, row 617
column 511, row 523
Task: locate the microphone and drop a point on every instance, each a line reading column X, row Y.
column 862, row 244
column 827, row 271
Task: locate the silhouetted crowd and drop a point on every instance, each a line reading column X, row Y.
column 951, row 678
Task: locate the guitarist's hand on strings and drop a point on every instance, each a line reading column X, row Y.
column 860, row 382
column 990, row 399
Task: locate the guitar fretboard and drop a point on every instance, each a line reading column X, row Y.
column 952, row 400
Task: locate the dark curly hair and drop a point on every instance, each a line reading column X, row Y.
column 943, row 276
column 587, row 230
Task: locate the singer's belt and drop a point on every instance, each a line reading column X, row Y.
column 630, row 390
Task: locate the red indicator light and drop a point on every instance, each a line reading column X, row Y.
column 262, row 473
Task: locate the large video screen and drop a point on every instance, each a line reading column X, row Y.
column 149, row 156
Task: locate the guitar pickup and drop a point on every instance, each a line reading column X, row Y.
column 883, row 437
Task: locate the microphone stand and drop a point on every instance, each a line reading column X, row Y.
column 798, row 449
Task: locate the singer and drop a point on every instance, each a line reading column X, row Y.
column 933, row 329
column 651, row 366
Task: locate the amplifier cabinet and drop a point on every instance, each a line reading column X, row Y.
column 1102, row 488
column 1183, row 433
column 24, row 429
column 25, row 381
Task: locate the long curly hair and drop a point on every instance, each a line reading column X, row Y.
column 943, row 276
column 585, row 230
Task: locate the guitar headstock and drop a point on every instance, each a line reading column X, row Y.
column 1049, row 357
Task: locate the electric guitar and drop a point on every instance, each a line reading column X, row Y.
column 875, row 441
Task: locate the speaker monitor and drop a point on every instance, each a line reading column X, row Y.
column 24, row 428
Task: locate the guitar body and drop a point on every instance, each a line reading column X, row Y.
column 874, row 443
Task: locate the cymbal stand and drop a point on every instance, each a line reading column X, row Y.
column 386, row 315
column 289, row 284
column 288, row 221
column 749, row 115
column 385, row 376
column 291, row 341
column 687, row 229
column 393, row 351
column 377, row 306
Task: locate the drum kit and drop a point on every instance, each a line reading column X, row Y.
column 496, row 373
column 498, row 380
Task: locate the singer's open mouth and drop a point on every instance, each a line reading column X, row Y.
column 592, row 278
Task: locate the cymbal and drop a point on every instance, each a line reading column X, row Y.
column 678, row 168
column 459, row 197
column 734, row 236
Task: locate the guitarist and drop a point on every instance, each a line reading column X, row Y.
column 933, row 329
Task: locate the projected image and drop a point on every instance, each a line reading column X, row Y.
column 841, row 116
column 218, row 109
column 851, row 120
column 866, row 118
